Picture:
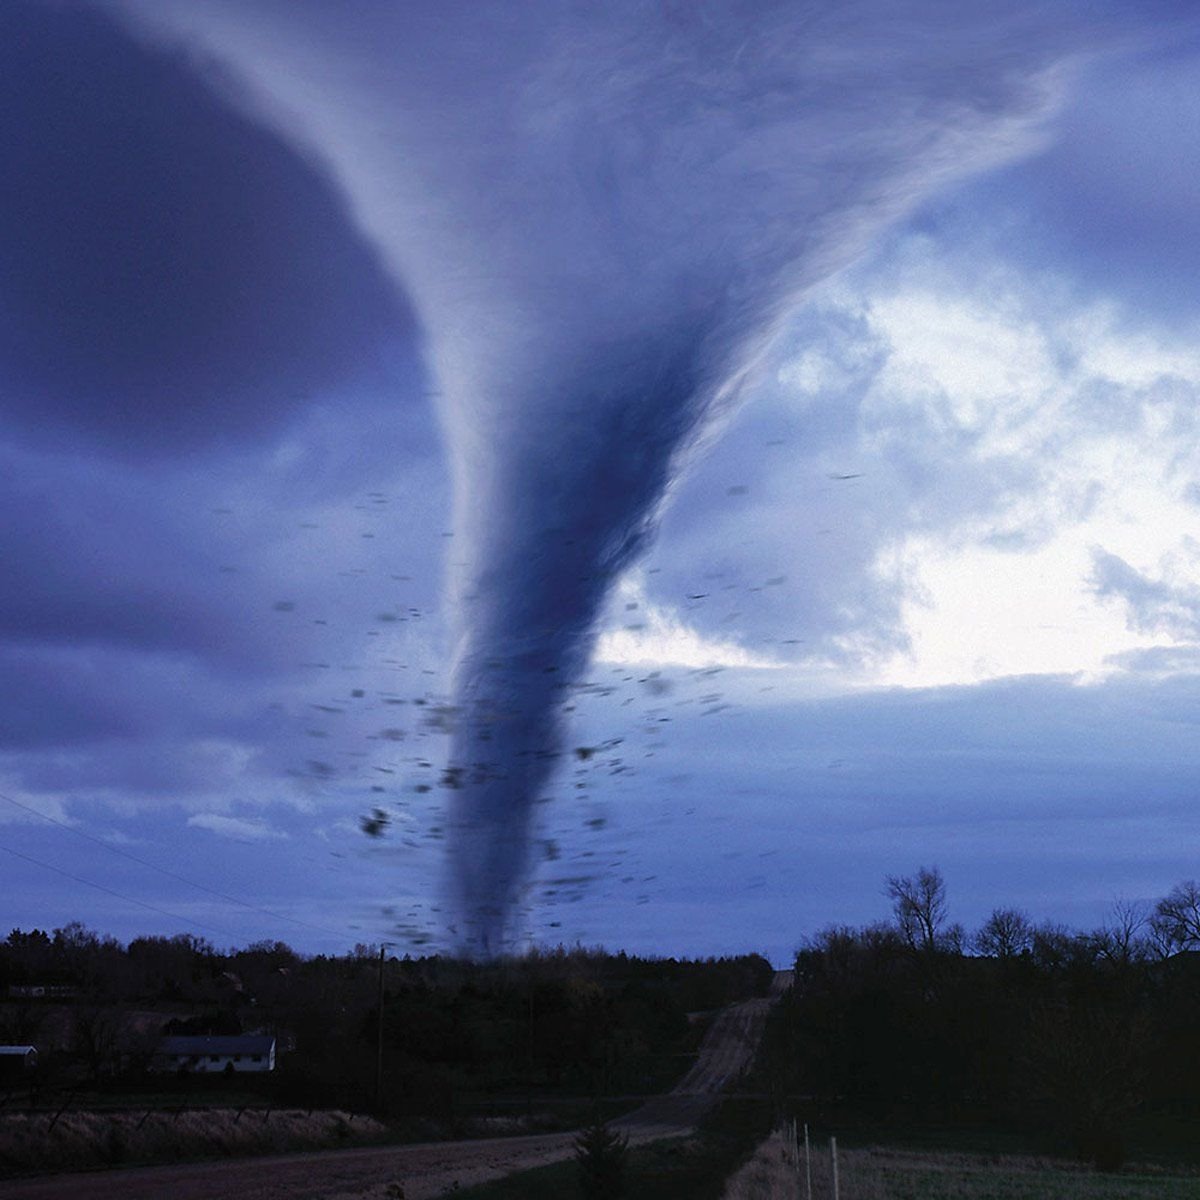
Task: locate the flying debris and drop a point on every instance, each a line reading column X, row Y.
column 376, row 824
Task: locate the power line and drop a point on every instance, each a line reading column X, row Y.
column 171, row 874
column 119, row 895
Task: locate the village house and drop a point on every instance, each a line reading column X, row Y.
column 42, row 991
column 206, row 1055
column 16, row 1062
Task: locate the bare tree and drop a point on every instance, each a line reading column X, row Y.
column 1121, row 938
column 96, row 1036
column 1007, row 933
column 1176, row 919
column 919, row 903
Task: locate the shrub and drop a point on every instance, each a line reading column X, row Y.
column 600, row 1153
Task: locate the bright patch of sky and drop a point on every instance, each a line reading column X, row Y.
column 1004, row 439
column 1102, row 413
column 652, row 635
column 250, row 829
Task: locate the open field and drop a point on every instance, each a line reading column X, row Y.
column 682, row 1170
column 879, row 1173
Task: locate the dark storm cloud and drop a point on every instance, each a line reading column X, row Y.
column 171, row 274
column 51, row 698
column 191, row 622
column 189, row 559
column 181, row 287
column 86, row 562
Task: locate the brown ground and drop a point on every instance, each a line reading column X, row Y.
column 425, row 1171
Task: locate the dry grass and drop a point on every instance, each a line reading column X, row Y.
column 33, row 1143
column 769, row 1175
column 882, row 1174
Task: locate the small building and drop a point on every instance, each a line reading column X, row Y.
column 42, row 991
column 17, row 1062
column 206, row 1055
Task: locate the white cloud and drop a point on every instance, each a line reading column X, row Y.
column 252, row 829
column 983, row 613
column 1100, row 419
column 1167, row 604
column 943, row 443
column 652, row 635
column 26, row 807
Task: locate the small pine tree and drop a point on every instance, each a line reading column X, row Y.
column 600, row 1153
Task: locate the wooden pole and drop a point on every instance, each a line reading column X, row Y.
column 807, row 1165
column 833, row 1160
column 379, row 1039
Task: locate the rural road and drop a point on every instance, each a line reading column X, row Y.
column 431, row 1169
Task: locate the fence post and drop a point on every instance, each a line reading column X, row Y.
column 833, row 1160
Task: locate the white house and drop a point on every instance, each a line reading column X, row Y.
column 42, row 991
column 15, row 1061
column 204, row 1055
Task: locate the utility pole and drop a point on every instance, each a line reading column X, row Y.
column 807, row 1165
column 379, row 1037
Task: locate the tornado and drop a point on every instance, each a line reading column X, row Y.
column 603, row 212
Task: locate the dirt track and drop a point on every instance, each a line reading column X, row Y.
column 429, row 1170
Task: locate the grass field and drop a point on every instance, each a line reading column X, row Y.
column 876, row 1175
column 684, row 1170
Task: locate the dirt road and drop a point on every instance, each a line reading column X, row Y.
column 429, row 1170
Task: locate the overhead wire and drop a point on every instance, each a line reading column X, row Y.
column 119, row 895
column 256, row 908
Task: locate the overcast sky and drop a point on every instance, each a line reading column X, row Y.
column 826, row 421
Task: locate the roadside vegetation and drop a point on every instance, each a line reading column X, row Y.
column 692, row 1168
column 37, row 1142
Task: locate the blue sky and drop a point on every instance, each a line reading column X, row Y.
column 759, row 471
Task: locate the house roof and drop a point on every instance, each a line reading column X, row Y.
column 17, row 1049
column 228, row 1044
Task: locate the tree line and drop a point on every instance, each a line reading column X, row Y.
column 455, row 1033
column 1031, row 1026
